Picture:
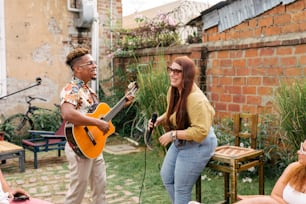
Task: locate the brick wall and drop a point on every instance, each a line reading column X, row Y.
column 243, row 67
column 247, row 63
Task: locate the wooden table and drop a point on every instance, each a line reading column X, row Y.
column 9, row 150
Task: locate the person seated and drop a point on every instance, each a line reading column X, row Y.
column 290, row 188
column 16, row 195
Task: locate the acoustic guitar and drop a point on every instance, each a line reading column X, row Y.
column 89, row 141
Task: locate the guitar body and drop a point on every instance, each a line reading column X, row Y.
column 89, row 141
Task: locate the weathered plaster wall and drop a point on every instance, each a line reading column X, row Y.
column 39, row 34
column 36, row 32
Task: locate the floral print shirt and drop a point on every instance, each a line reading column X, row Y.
column 77, row 93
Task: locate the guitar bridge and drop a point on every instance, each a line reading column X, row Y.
column 92, row 139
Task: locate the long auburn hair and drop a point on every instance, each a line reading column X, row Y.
column 297, row 177
column 178, row 102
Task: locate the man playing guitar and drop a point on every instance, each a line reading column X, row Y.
column 77, row 99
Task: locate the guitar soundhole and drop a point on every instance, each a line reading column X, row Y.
column 92, row 139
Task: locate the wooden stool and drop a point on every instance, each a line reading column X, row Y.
column 230, row 160
column 9, row 150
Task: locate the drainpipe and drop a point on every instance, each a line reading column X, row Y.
column 95, row 44
column 111, row 40
column 94, row 37
column 3, row 84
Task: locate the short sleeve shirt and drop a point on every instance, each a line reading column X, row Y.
column 77, row 93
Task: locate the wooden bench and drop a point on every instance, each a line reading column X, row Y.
column 45, row 141
column 9, row 150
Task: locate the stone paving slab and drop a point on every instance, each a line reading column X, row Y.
column 50, row 181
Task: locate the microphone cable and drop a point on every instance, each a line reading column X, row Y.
column 147, row 136
column 145, row 171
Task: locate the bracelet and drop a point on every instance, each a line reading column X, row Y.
column 173, row 136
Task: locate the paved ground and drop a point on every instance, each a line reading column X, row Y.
column 50, row 180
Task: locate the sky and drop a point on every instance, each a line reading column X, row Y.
column 132, row 6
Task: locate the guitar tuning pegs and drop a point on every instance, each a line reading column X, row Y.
column 132, row 85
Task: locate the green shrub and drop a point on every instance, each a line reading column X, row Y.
column 153, row 82
column 291, row 103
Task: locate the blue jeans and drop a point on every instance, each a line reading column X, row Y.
column 183, row 165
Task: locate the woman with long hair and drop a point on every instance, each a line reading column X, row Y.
column 188, row 123
column 290, row 187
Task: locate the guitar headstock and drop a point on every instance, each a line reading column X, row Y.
column 132, row 88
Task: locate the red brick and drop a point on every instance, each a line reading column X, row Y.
column 282, row 19
column 234, row 107
column 246, row 34
column 229, row 71
column 226, row 81
column 243, row 71
column 217, row 71
column 239, row 63
column 284, row 50
column 300, row 49
column 249, row 108
column 290, row 28
column 220, row 106
column 294, row 7
column 265, row 109
column 265, row 90
column 271, row 31
column 226, row 63
column 294, row 71
column 251, row 53
column 239, row 81
column 270, row 61
column 258, row 71
column 289, row 61
column 225, row 98
column 303, row 60
column 298, row 17
column 266, row 52
column 233, row 89
column 265, row 21
column 270, row 81
column 217, row 89
column 214, row 96
column 274, row 71
column 254, row 62
column 249, row 90
column 302, row 26
column 239, row 99
column 256, row 100
column 254, row 80
column 236, row 54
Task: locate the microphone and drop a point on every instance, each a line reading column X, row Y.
column 38, row 80
column 153, row 120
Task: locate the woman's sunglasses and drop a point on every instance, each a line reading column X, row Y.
column 302, row 150
column 175, row 71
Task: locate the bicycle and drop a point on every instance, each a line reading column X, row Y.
column 17, row 126
column 139, row 130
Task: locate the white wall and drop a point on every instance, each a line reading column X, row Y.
column 2, row 51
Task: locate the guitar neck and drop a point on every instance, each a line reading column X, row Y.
column 115, row 110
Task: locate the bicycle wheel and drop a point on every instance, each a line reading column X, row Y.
column 18, row 126
column 138, row 128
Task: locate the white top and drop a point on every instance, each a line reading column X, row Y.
column 3, row 196
column 291, row 196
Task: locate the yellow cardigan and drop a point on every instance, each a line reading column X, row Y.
column 200, row 112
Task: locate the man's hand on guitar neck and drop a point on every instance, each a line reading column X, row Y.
column 103, row 126
column 129, row 100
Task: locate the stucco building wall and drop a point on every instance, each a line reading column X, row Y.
column 38, row 36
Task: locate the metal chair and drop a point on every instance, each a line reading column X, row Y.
column 230, row 160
